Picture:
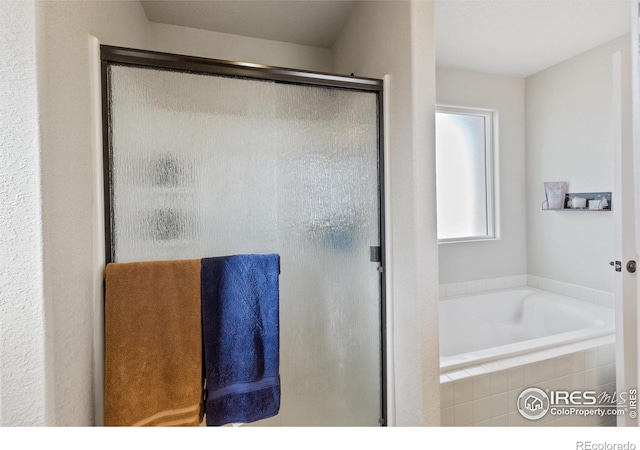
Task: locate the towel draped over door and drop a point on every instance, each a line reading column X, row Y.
column 240, row 304
column 153, row 344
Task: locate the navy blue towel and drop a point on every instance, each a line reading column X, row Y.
column 241, row 337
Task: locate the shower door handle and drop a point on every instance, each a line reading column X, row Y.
column 376, row 257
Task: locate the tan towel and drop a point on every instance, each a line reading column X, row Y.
column 153, row 344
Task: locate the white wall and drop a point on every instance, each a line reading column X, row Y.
column 570, row 138
column 210, row 44
column 24, row 372
column 507, row 256
column 67, row 183
column 397, row 38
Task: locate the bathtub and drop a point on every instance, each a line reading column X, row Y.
column 480, row 328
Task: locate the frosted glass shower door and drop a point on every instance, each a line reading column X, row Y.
column 204, row 165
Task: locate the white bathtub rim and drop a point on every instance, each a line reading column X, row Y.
column 455, row 371
column 448, row 363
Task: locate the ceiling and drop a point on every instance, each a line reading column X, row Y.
column 509, row 37
column 522, row 37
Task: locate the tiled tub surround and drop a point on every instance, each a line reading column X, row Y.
column 488, row 398
column 484, row 393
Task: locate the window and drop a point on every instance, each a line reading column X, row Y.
column 464, row 174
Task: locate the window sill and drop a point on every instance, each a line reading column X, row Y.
column 468, row 239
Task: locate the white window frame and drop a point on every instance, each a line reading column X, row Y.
column 491, row 170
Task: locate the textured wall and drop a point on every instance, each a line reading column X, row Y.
column 23, row 373
column 67, row 185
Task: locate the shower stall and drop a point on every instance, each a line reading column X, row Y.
column 209, row 158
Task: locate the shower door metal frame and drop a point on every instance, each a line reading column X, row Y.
column 110, row 55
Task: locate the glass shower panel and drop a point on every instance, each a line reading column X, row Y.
column 205, row 165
